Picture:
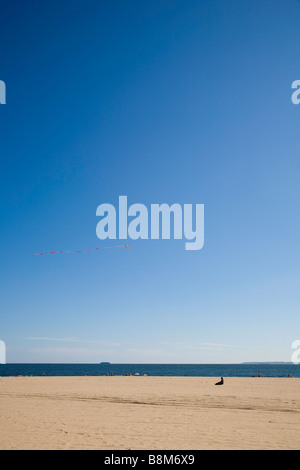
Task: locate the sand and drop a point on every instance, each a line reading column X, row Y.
column 152, row 413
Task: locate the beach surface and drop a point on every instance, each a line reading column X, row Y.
column 151, row 413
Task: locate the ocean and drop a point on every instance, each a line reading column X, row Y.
column 159, row 370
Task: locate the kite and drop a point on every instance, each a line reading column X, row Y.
column 81, row 251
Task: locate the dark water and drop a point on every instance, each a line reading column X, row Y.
column 178, row 370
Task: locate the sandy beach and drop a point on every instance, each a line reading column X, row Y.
column 152, row 413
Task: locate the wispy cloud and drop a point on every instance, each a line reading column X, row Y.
column 76, row 340
column 130, row 350
column 73, row 353
column 198, row 346
column 53, row 339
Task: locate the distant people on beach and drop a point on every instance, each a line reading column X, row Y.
column 221, row 382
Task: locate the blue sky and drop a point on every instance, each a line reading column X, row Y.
column 163, row 101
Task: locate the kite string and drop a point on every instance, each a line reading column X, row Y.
column 81, row 251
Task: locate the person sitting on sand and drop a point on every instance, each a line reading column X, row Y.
column 221, row 382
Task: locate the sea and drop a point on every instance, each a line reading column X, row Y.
column 155, row 370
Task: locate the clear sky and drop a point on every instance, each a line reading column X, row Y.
column 166, row 101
